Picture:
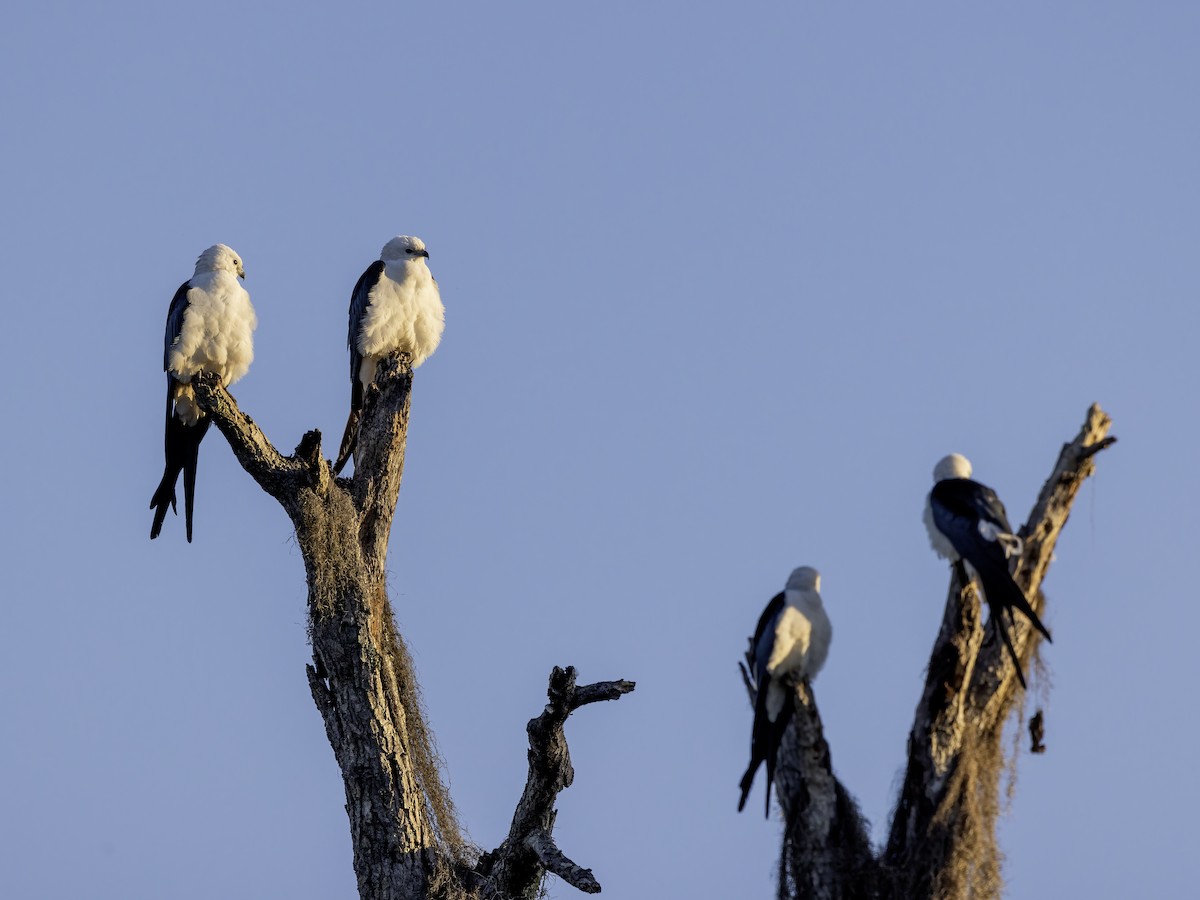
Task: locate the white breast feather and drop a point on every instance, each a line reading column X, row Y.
column 405, row 312
column 802, row 637
column 217, row 336
column 792, row 633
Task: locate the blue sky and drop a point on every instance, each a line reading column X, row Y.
column 721, row 285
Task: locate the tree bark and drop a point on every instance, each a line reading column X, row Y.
column 518, row 866
column 406, row 838
column 942, row 842
column 826, row 850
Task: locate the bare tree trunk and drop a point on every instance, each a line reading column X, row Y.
column 943, row 836
column 406, row 838
column 826, row 850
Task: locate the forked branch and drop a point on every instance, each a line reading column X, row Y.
column 942, row 841
column 406, row 839
column 275, row 473
column 942, row 838
column 516, row 868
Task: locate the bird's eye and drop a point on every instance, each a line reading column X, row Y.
column 409, row 250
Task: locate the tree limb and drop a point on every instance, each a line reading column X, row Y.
column 555, row 861
column 942, row 839
column 402, row 823
column 274, row 472
column 826, row 849
column 379, row 455
column 405, row 835
column 516, row 868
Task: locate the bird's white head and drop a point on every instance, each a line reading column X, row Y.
column 219, row 258
column 805, row 578
column 953, row 466
column 402, row 248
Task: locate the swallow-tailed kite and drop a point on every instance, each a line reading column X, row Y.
column 791, row 642
column 967, row 521
column 210, row 328
column 395, row 306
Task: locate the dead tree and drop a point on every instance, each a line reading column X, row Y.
column 942, row 842
column 407, row 842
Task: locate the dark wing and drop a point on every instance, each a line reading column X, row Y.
column 179, row 304
column 959, row 505
column 181, row 443
column 961, row 499
column 360, row 298
column 764, row 637
column 989, row 507
column 765, row 735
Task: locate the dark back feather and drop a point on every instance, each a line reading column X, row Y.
column 179, row 304
column 360, row 299
column 963, row 498
column 764, row 638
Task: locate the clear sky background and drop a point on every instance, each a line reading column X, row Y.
column 722, row 283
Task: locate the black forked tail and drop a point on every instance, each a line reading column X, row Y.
column 1004, row 595
column 997, row 616
column 192, row 450
column 1014, row 598
column 1002, row 591
column 349, row 441
column 182, row 452
column 764, row 743
column 163, row 499
column 350, row 437
column 748, row 782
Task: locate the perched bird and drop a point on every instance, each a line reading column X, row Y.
column 791, row 642
column 967, row 521
column 395, row 307
column 210, row 328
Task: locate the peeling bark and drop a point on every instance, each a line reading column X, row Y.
column 407, row 842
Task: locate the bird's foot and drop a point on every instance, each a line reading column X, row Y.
column 1013, row 545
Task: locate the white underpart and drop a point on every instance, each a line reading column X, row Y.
column 217, row 336
column 405, row 312
column 802, row 637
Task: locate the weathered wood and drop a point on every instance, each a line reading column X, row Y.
column 274, row 473
column 555, row 861
column 826, row 849
column 406, row 839
column 401, row 822
column 379, row 456
column 942, row 841
column 517, row 867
